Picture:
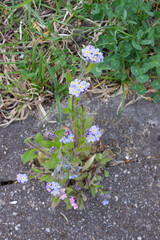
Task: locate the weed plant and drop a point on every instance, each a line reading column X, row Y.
column 69, row 162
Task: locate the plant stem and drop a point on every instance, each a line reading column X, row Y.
column 82, row 120
column 73, row 123
column 34, row 146
column 84, row 71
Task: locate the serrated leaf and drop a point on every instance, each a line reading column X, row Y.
column 156, row 84
column 142, row 79
column 29, row 155
column 136, row 45
column 88, row 163
column 38, row 138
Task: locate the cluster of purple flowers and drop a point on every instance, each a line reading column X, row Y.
column 72, row 202
column 93, row 134
column 22, row 178
column 55, row 189
column 92, row 54
column 68, row 137
column 104, row 200
column 78, row 87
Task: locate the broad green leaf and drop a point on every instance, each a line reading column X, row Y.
column 47, row 143
column 88, row 163
column 46, row 178
column 115, row 64
column 145, row 42
column 156, row 84
column 142, row 79
column 98, row 157
column 36, row 170
column 38, row 138
column 140, row 34
column 106, row 173
column 135, row 70
column 29, row 155
column 141, row 90
column 52, row 162
column 81, row 203
column 136, row 45
column 97, row 71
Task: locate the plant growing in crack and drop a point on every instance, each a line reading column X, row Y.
column 69, row 161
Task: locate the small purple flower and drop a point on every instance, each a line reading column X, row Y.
column 55, row 192
column 22, row 178
column 52, row 149
column 51, row 135
column 105, row 202
column 63, row 196
column 66, row 166
column 93, row 134
column 68, row 137
column 78, row 87
column 76, row 187
column 55, row 185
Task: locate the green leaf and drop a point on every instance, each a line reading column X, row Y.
column 97, row 71
column 47, row 143
column 135, row 70
column 105, row 160
column 36, row 170
column 65, row 110
column 142, row 79
column 46, row 178
column 141, row 90
column 156, row 84
column 140, row 34
column 98, row 157
column 92, row 191
column 69, row 78
column 145, row 42
column 106, row 173
column 69, row 145
column 27, row 140
column 124, row 14
column 88, row 163
column 52, row 162
column 156, row 97
column 38, row 138
column 90, row 67
column 55, row 201
column 115, row 64
column 81, row 203
column 29, row 155
column 136, row 45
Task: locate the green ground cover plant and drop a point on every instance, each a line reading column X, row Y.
column 42, row 34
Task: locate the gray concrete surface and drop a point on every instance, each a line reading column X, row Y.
column 134, row 209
